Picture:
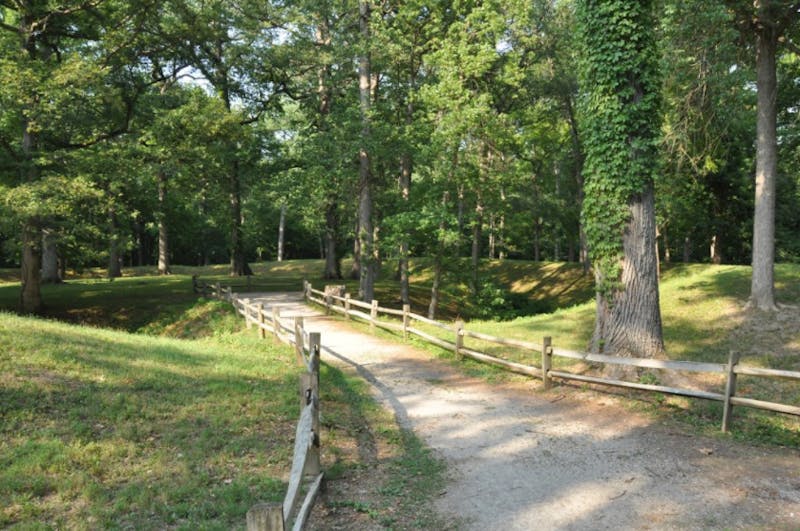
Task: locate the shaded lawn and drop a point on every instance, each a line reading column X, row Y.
column 103, row 429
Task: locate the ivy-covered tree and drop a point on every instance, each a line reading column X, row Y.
column 620, row 124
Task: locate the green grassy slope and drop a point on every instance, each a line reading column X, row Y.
column 105, row 429
column 102, row 428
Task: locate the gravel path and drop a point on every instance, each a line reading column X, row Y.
column 525, row 459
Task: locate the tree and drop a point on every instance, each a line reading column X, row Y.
column 620, row 126
column 767, row 21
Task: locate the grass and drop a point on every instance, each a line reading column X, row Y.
column 704, row 318
column 102, row 428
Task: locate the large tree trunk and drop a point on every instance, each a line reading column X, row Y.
column 50, row 271
column 629, row 322
column 365, row 226
column 163, row 233
column 762, row 294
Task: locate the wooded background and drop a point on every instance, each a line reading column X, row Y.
column 193, row 132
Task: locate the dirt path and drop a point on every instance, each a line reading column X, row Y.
column 524, row 459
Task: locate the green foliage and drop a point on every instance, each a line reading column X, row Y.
column 620, row 115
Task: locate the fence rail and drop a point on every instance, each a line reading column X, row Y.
column 306, row 474
column 547, row 352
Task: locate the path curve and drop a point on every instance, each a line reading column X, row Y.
column 524, row 459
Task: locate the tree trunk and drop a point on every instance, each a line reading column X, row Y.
column 333, row 269
column 405, row 188
column 629, row 323
column 114, row 265
column 365, row 227
column 437, row 278
column 537, row 236
column 355, row 269
column 30, row 300
column 476, row 247
column 437, row 264
column 163, row 234
column 281, row 232
column 239, row 265
column 492, row 241
column 762, row 289
column 50, row 271
column 687, row 249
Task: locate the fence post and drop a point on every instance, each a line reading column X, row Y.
column 406, row 311
column 730, row 390
column 547, row 361
column 328, row 303
column 373, row 315
column 347, row 306
column 230, row 293
column 194, row 284
column 265, row 517
column 298, row 338
column 459, row 338
column 246, row 307
column 217, row 290
column 276, row 321
column 312, row 462
column 261, row 322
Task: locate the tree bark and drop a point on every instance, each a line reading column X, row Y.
column 163, row 233
column 437, row 264
column 333, row 269
column 239, row 265
column 476, row 247
column 365, row 226
column 114, row 264
column 50, row 271
column 629, row 323
column 762, row 289
column 30, row 300
column 281, row 232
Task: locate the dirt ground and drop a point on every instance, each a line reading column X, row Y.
column 521, row 458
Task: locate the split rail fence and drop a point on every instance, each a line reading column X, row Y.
column 405, row 319
column 306, row 474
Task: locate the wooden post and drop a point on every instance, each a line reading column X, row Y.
column 262, row 333
column 406, row 311
column 298, row 338
column 547, row 361
column 347, row 306
column 328, row 300
column 230, row 293
column 373, row 315
column 194, row 284
column 246, row 307
column 276, row 321
column 217, row 290
column 730, row 390
column 266, row 517
column 459, row 338
column 312, row 461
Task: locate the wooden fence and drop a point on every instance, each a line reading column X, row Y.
column 546, row 351
column 306, row 474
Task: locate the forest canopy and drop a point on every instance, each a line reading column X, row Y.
column 188, row 132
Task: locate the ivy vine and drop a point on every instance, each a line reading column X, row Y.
column 620, row 123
